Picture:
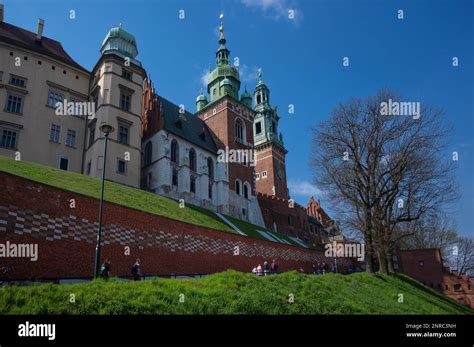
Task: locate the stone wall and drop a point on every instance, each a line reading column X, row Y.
column 31, row 212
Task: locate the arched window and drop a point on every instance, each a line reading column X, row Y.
column 192, row 159
column 174, row 178
column 148, row 153
column 239, row 130
column 193, row 184
column 237, row 187
column 246, row 190
column 174, row 152
column 259, row 99
column 210, row 168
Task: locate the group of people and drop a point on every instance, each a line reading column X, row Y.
column 105, row 270
column 266, row 269
column 320, row 268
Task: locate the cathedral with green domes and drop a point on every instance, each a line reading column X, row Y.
column 227, row 156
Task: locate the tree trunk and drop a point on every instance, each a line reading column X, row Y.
column 368, row 254
column 382, row 259
column 390, row 267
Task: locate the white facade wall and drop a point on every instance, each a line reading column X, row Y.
column 161, row 169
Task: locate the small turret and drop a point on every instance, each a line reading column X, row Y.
column 261, row 93
column 121, row 43
column 246, row 98
column 201, row 101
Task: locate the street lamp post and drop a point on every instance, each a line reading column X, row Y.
column 106, row 129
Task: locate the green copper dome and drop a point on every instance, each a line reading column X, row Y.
column 120, row 42
column 246, row 98
column 201, row 97
column 245, row 95
column 118, row 32
column 225, row 82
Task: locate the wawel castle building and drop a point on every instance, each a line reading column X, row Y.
column 227, row 157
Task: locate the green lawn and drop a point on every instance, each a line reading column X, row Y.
column 234, row 293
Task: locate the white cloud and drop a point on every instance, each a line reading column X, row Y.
column 304, row 189
column 204, row 77
column 276, row 9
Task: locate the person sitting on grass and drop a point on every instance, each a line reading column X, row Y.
column 259, row 270
column 254, row 271
column 266, row 268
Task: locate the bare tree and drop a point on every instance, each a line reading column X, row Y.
column 463, row 258
column 383, row 171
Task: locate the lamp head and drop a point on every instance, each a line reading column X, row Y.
column 106, row 128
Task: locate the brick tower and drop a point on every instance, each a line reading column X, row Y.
column 230, row 118
column 270, row 151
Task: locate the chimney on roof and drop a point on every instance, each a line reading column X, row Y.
column 1, row 12
column 39, row 33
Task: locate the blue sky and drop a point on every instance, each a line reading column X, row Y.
column 301, row 58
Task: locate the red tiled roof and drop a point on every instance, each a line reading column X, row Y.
column 26, row 39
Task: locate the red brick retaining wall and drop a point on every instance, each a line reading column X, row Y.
column 31, row 212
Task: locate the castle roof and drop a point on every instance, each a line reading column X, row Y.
column 187, row 126
column 19, row 37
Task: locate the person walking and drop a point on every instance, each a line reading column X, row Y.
column 274, row 267
column 136, row 273
column 105, row 269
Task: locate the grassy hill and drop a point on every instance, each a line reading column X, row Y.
column 127, row 196
column 234, row 293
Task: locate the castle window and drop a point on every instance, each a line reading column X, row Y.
column 239, row 130
column 125, row 100
column 71, row 138
column 54, row 133
column 193, row 184
column 9, row 138
column 210, row 191
column 121, row 166
column 290, row 220
column 457, row 287
column 210, row 168
column 258, row 127
column 174, row 178
column 257, row 176
column 246, row 190
column 126, row 74
column 174, row 151
column 14, row 103
column 64, row 163
column 91, row 133
column 192, row 159
column 54, row 97
column 237, row 187
column 259, row 99
column 18, row 81
column 148, row 153
column 264, row 174
column 123, row 134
